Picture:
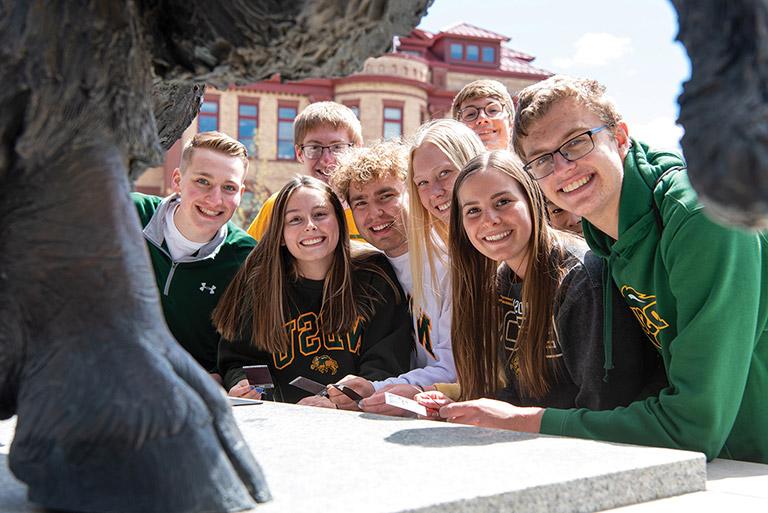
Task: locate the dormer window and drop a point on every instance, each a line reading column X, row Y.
column 457, row 51
column 473, row 53
column 489, row 54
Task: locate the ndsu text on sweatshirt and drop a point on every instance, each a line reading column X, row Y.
column 374, row 349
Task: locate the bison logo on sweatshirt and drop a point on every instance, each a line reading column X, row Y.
column 324, row 364
column 644, row 308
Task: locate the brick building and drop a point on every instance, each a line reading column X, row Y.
column 392, row 96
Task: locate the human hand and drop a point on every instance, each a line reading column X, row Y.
column 377, row 404
column 360, row 385
column 245, row 390
column 432, row 401
column 317, row 401
column 494, row 414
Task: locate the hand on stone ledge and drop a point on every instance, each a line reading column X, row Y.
column 376, row 404
column 433, row 401
column 245, row 390
column 320, row 402
column 360, row 385
column 491, row 413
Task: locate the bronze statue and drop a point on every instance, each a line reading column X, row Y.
column 112, row 414
column 724, row 107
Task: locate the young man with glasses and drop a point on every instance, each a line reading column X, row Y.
column 699, row 290
column 486, row 107
column 322, row 132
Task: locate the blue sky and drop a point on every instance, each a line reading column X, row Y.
column 628, row 45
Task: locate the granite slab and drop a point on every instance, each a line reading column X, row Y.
column 319, row 460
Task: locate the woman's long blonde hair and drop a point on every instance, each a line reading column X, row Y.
column 427, row 234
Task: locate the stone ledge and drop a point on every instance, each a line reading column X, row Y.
column 327, row 460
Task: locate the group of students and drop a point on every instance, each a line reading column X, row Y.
column 451, row 269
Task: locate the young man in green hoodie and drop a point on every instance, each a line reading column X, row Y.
column 194, row 247
column 699, row 290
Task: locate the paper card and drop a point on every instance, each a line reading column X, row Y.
column 405, row 404
column 308, row 385
column 242, row 401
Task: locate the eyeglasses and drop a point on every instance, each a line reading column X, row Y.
column 315, row 151
column 492, row 111
column 571, row 150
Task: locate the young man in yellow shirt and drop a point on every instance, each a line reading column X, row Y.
column 322, row 132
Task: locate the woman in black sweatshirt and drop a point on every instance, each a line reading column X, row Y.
column 305, row 306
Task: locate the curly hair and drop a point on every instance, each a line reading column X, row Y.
column 365, row 165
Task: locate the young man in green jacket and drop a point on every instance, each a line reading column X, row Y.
column 194, row 248
column 699, row 290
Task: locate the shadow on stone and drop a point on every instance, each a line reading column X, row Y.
column 455, row 436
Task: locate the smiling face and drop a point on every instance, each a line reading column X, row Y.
column 496, row 217
column 494, row 132
column 589, row 187
column 210, row 189
column 433, row 175
column 563, row 220
column 377, row 207
column 311, row 232
column 324, row 165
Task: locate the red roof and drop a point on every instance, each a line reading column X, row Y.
column 515, row 62
column 467, row 30
column 512, row 61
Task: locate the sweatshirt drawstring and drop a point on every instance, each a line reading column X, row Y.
column 607, row 317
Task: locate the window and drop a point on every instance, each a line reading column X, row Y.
column 247, row 124
column 285, row 116
column 354, row 106
column 473, row 53
column 457, row 51
column 393, row 122
column 208, row 118
column 489, row 55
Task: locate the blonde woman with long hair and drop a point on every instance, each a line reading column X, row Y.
column 440, row 149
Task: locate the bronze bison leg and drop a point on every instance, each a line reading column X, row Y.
column 724, row 107
column 112, row 414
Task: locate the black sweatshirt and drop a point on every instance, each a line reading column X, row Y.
column 578, row 354
column 375, row 350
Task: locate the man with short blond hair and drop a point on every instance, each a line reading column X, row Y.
column 322, row 132
column 194, row 248
column 372, row 181
column 486, row 107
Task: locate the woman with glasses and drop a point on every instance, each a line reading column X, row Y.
column 486, row 107
column 540, row 340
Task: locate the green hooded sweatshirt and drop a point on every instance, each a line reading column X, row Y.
column 700, row 291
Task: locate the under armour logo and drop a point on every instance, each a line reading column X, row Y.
column 210, row 289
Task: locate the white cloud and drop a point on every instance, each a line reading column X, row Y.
column 660, row 133
column 596, row 49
